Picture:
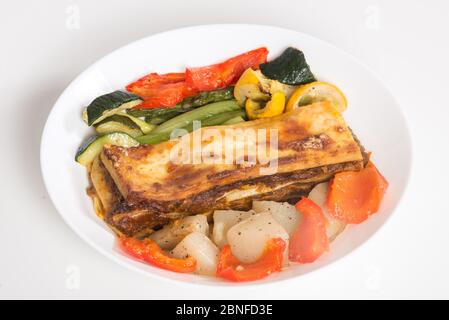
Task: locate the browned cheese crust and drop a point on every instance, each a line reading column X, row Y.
column 148, row 189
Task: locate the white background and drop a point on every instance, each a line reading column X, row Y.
column 45, row 44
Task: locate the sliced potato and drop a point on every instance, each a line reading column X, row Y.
column 334, row 226
column 249, row 237
column 283, row 212
column 223, row 221
column 200, row 247
column 170, row 235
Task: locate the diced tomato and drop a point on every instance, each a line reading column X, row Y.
column 355, row 195
column 309, row 241
column 147, row 250
column 226, row 73
column 230, row 268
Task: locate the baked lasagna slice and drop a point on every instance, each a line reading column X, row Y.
column 224, row 167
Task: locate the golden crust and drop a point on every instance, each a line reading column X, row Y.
column 309, row 137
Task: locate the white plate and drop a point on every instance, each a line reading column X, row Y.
column 373, row 114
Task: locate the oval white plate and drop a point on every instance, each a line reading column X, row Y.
column 373, row 114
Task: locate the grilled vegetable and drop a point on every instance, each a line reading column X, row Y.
column 234, row 121
column 221, row 118
column 159, row 115
column 143, row 125
column 289, row 68
column 153, row 80
column 210, row 120
column 201, row 113
column 148, row 251
column 165, row 90
column 231, row 268
column 202, row 249
column 118, row 123
column 266, row 109
column 226, row 73
column 92, row 147
column 355, row 195
column 109, row 104
column 317, row 91
column 249, row 86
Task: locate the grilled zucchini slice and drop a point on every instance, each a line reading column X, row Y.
column 109, row 104
column 118, row 123
column 92, row 147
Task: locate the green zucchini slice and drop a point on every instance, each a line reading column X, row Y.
column 118, row 123
column 234, row 120
column 289, row 68
column 109, row 104
column 92, row 147
column 142, row 124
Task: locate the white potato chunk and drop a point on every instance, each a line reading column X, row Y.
column 249, row 237
column 223, row 221
column 283, row 212
column 333, row 226
column 170, row 235
column 200, row 247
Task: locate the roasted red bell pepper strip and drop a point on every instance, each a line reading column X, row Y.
column 153, row 80
column 310, row 239
column 165, row 96
column 355, row 195
column 226, row 73
column 230, row 268
column 147, row 250
column 165, row 90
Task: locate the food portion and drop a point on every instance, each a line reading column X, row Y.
column 235, row 170
column 309, row 139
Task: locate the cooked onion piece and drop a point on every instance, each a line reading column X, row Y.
column 200, row 247
column 224, row 220
column 170, row 235
column 249, row 237
column 283, row 212
column 318, row 195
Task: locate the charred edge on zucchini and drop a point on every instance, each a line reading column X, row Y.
column 109, row 104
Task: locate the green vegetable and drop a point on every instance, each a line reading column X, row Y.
column 160, row 115
column 109, row 104
column 218, row 119
column 289, row 68
column 154, row 138
column 92, row 147
column 234, row 120
column 210, row 120
column 143, row 125
column 200, row 114
column 118, row 123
